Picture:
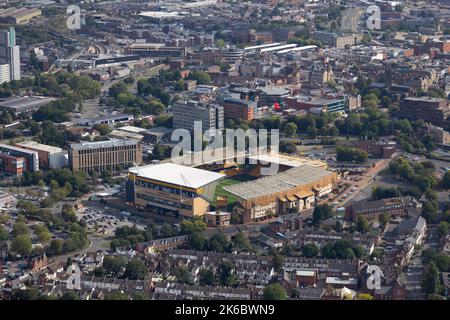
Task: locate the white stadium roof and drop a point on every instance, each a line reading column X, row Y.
column 177, row 174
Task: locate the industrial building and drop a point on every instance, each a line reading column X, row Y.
column 15, row 161
column 290, row 191
column 19, row 15
column 171, row 189
column 17, row 105
column 104, row 155
column 50, row 157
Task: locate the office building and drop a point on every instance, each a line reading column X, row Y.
column 50, row 157
column 10, row 53
column 185, row 113
column 239, row 109
column 15, row 161
column 433, row 110
column 104, row 155
column 171, row 189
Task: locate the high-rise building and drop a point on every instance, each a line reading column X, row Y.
column 10, row 53
column 185, row 113
column 4, row 73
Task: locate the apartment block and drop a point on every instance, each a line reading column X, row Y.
column 239, row 109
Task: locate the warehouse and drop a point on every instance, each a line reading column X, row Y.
column 171, row 189
column 290, row 191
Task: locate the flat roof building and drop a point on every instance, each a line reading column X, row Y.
column 27, row 104
column 104, row 155
column 15, row 161
column 49, row 156
column 171, row 189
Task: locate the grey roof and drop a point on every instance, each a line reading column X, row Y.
column 103, row 144
column 279, row 182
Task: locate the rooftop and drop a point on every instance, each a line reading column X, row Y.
column 39, row 146
column 177, row 174
column 280, row 182
column 103, row 144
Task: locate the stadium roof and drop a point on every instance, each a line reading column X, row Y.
column 280, row 182
column 177, row 174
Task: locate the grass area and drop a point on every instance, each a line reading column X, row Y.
column 229, row 182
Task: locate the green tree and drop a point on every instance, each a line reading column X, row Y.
column 3, row 233
column 22, row 245
column 116, row 295
column 219, row 243
column 56, row 247
column 310, row 250
column 290, row 129
column 70, row 295
column 113, row 265
column 274, row 291
column 225, row 274
column 136, row 270
column 362, row 224
column 384, row 218
column 207, row 277
column 431, row 282
column 20, row 228
column 183, row 275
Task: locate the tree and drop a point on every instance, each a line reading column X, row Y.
column 183, row 275
column 362, row 224
column 3, row 233
column 219, row 243
column 443, row 229
column 384, row 218
column 197, row 241
column 20, row 228
column 225, row 274
column 22, row 245
column 56, row 247
column 44, row 236
column 240, row 241
column 113, row 265
column 290, row 129
column 70, row 295
column 278, row 260
column 116, row 295
column 220, row 43
column 135, row 270
column 446, row 180
column 274, row 291
column 207, row 277
column 431, row 282
column 103, row 128
column 310, row 250
column 196, row 225
column 25, row 294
